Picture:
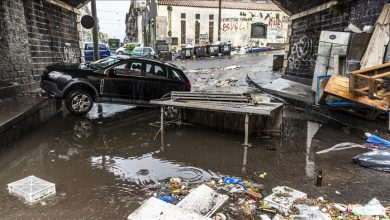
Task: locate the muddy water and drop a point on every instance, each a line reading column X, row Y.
column 101, row 163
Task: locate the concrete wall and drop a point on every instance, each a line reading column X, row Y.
column 33, row 34
column 235, row 28
column 305, row 31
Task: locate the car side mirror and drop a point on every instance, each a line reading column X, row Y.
column 112, row 72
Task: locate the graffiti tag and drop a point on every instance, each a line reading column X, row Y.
column 302, row 52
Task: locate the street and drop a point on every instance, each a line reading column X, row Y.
column 105, row 163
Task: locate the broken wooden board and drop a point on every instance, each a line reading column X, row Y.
column 155, row 209
column 339, row 86
column 203, row 200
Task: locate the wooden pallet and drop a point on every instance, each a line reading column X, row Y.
column 370, row 81
column 339, row 86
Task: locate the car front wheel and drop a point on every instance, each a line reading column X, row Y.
column 120, row 53
column 79, row 102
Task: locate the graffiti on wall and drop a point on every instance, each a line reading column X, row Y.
column 204, row 39
column 301, row 52
column 66, row 54
column 235, row 24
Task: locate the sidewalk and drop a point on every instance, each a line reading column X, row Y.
column 20, row 114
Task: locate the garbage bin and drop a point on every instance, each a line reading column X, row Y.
column 187, row 52
column 165, row 56
column 278, row 62
column 212, row 50
column 225, row 49
column 200, row 51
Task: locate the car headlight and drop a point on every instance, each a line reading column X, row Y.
column 55, row 74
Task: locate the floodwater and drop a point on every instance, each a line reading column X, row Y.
column 102, row 163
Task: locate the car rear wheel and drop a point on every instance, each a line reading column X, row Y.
column 79, row 102
column 120, row 53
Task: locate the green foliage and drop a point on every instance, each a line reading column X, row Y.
column 341, row 5
column 129, row 47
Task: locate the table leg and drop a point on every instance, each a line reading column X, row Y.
column 246, row 130
column 162, row 120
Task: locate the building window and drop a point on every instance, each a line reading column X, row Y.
column 183, row 15
column 258, row 30
column 211, row 32
column 197, row 16
column 211, row 17
column 197, row 32
column 183, row 32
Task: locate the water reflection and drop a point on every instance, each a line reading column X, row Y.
column 147, row 169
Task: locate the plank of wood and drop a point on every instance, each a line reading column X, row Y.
column 240, row 108
column 154, row 208
column 339, row 86
column 373, row 68
column 203, row 200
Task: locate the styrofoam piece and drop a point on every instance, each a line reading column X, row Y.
column 32, row 189
column 154, row 208
column 283, row 197
column 203, row 200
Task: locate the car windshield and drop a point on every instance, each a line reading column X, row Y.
column 103, row 63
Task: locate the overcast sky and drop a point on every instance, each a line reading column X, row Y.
column 112, row 15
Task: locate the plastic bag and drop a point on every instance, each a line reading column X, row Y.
column 312, row 212
column 376, row 159
column 373, row 208
column 230, row 180
column 375, row 140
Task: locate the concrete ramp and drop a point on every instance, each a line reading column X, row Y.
column 290, row 89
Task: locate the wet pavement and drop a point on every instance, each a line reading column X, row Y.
column 102, row 163
column 229, row 73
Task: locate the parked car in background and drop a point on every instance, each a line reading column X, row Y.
column 122, row 50
column 143, row 52
column 123, row 80
column 88, row 51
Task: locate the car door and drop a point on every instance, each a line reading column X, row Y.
column 157, row 81
column 122, row 81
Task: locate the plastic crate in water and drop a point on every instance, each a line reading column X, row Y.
column 32, row 189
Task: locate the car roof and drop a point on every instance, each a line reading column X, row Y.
column 153, row 60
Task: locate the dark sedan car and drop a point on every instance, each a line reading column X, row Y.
column 132, row 80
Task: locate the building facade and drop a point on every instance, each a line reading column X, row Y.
column 196, row 23
column 242, row 23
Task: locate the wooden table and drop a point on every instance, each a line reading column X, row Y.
column 274, row 110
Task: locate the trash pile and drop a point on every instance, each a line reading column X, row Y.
column 246, row 200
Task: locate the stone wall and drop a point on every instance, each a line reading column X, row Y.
column 305, row 33
column 33, row 34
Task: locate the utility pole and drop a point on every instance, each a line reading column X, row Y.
column 219, row 20
column 95, row 31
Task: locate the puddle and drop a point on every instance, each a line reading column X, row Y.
column 106, row 162
column 147, row 169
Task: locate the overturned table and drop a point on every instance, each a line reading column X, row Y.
column 225, row 111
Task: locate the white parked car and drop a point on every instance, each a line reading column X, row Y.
column 122, row 50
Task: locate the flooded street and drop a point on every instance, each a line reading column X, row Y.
column 103, row 163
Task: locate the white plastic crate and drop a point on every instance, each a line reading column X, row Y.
column 283, row 197
column 32, row 189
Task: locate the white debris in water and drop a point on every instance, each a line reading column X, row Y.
column 32, row 189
